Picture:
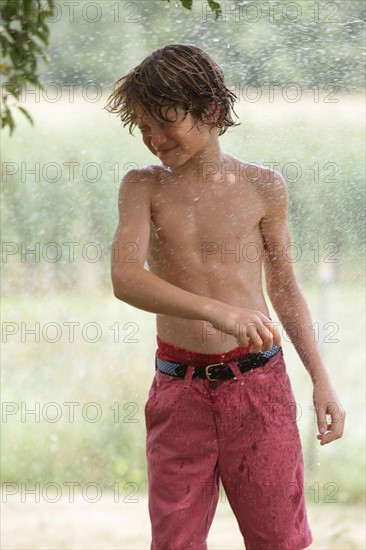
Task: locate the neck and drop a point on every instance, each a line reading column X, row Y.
column 203, row 165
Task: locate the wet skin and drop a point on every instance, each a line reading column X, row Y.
column 206, row 209
column 206, row 223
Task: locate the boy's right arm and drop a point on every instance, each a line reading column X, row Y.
column 144, row 290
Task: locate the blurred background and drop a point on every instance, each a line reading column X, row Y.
column 77, row 363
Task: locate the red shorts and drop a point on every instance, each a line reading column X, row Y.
column 241, row 432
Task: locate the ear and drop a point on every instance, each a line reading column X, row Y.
column 212, row 115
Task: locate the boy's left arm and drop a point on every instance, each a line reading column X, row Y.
column 291, row 307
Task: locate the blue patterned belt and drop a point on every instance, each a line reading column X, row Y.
column 218, row 371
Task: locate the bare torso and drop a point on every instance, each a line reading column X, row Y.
column 206, row 238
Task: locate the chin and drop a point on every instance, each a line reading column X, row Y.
column 177, row 162
column 172, row 163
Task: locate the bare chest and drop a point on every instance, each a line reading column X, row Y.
column 189, row 216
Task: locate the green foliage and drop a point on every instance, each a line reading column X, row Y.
column 24, row 35
column 318, row 49
column 313, row 51
column 215, row 6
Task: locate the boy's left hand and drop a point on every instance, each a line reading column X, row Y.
column 327, row 402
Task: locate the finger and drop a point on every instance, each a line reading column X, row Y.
column 324, row 436
column 328, row 437
column 241, row 337
column 327, row 429
column 264, row 334
column 332, row 433
column 322, row 420
column 262, row 337
column 253, row 334
column 275, row 333
column 336, row 426
column 273, row 330
column 242, row 340
column 267, row 338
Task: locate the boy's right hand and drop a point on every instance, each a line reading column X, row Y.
column 248, row 326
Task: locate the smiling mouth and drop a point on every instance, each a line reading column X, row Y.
column 164, row 151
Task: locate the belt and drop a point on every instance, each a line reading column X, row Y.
column 218, row 371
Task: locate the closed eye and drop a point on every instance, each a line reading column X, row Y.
column 161, row 124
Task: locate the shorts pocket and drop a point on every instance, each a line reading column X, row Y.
column 163, row 388
column 152, row 391
column 284, row 393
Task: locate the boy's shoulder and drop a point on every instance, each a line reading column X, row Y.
column 145, row 173
column 262, row 178
column 267, row 184
column 141, row 177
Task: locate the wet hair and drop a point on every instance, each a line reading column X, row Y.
column 175, row 74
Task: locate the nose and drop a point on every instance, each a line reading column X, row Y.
column 157, row 139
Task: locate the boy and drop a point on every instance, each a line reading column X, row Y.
column 220, row 406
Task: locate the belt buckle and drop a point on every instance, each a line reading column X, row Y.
column 208, row 376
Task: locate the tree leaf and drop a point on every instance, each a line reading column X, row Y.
column 215, row 7
column 7, row 120
column 26, row 114
column 187, row 4
column 24, row 35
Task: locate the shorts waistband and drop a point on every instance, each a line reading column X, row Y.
column 170, row 352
